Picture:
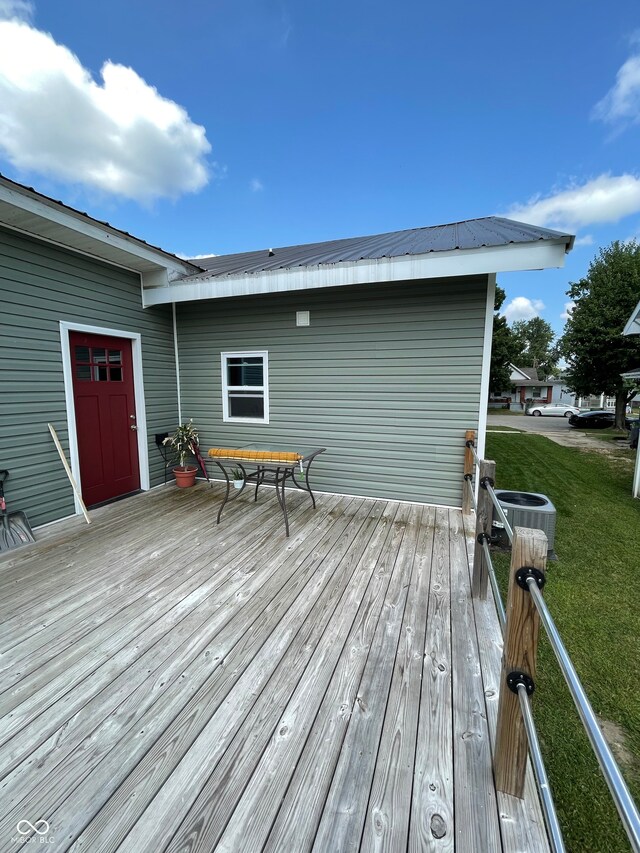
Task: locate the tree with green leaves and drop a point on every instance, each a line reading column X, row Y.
column 503, row 348
column 534, row 345
column 593, row 345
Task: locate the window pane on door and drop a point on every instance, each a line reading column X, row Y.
column 82, row 354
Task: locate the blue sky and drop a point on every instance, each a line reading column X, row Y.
column 292, row 123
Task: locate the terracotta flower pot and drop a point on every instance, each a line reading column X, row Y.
column 185, row 477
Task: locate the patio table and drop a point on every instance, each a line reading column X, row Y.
column 274, row 464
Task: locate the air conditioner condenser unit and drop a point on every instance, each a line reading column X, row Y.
column 525, row 509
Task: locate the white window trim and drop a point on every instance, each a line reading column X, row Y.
column 138, row 386
column 226, row 417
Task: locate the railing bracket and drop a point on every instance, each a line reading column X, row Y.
column 487, row 480
column 515, row 678
column 468, row 476
column 490, row 540
column 526, row 572
column 469, row 443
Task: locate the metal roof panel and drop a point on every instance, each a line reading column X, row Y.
column 490, row 231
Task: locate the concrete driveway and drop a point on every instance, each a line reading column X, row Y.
column 528, row 423
column 557, row 429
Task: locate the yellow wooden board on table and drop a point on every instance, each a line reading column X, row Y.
column 254, row 455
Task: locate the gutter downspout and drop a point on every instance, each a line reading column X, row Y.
column 177, row 358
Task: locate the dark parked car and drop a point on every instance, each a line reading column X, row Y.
column 593, row 420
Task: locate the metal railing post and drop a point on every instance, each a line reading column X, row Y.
column 469, row 466
column 528, row 559
column 484, row 517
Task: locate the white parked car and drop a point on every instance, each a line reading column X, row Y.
column 554, row 410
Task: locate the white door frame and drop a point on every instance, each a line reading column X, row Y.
column 138, row 386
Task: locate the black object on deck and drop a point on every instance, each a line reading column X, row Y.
column 15, row 529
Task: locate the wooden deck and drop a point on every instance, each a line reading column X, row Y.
column 170, row 685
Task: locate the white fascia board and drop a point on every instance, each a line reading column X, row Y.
column 633, row 324
column 102, row 235
column 522, row 374
column 460, row 262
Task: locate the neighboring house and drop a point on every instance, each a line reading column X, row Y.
column 560, row 394
column 376, row 348
column 527, row 389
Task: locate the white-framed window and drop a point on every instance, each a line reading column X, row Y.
column 245, row 386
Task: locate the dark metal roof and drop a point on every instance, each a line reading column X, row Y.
column 491, row 231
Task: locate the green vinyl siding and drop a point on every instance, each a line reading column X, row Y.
column 40, row 285
column 386, row 377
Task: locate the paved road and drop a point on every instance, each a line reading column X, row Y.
column 530, row 424
column 557, row 429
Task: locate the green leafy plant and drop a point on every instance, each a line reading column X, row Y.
column 182, row 442
column 236, row 474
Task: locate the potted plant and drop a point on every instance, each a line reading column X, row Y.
column 181, row 444
column 237, row 477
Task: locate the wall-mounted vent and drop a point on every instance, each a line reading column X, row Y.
column 303, row 318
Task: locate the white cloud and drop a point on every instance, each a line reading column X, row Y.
column 119, row 135
column 523, row 308
column 607, row 198
column 256, row 185
column 195, row 257
column 21, row 10
column 568, row 308
column 621, row 104
column 587, row 240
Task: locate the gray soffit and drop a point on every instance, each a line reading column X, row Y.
column 60, row 223
column 491, row 231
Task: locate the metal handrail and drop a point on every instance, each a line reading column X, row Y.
column 502, row 616
column 472, row 448
column 548, row 807
column 546, row 798
column 472, row 492
column 499, row 510
column 627, row 808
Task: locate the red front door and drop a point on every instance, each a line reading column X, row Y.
column 105, row 416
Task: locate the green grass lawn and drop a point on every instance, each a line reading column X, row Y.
column 593, row 592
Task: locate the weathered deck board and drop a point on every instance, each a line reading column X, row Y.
column 345, row 809
column 388, row 813
column 302, row 805
column 258, row 694
column 161, row 679
column 262, row 757
column 205, row 673
column 476, row 810
column 431, row 825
